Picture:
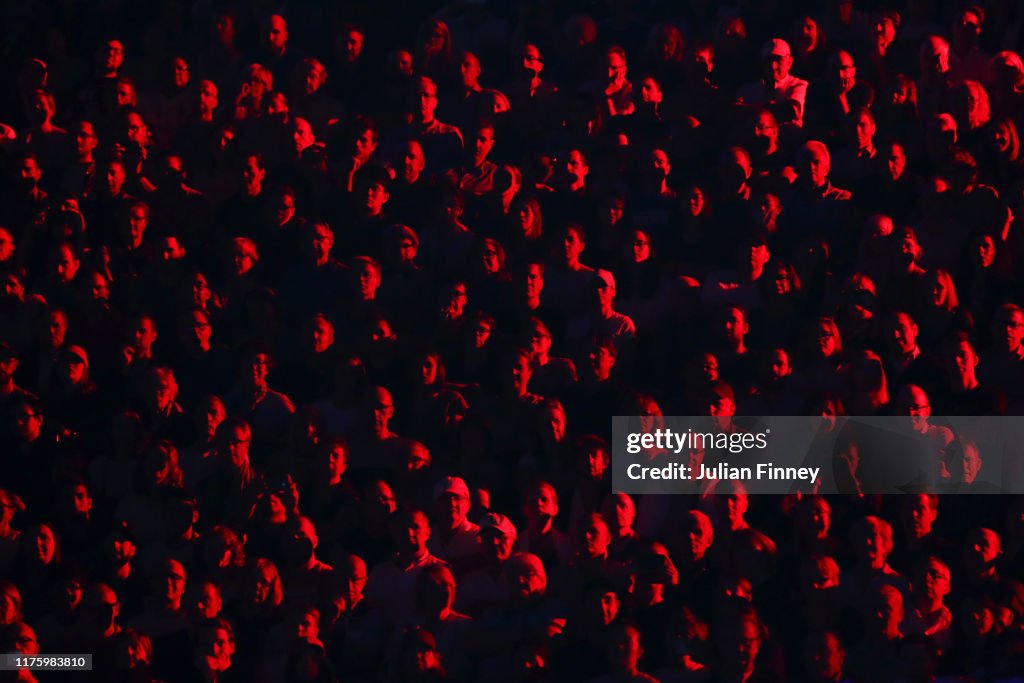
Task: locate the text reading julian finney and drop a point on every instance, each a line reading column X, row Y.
column 692, row 443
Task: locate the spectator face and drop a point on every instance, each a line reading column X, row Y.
column 469, row 70
column 137, row 222
column 625, row 649
column 113, row 179
column 596, row 538
column 816, row 167
column 885, row 611
column 496, row 545
column 42, row 544
column 532, row 62
column 65, row 264
column 85, row 140
column 573, row 246
column 815, row 519
column 171, row 584
column 143, row 336
column 766, row 131
column 622, row 512
column 277, row 33
column 981, row 550
column 253, row 175
column 730, row 508
column 27, row 423
column 111, row 56
column 6, row 245
column 368, row 281
column 137, row 131
column 238, row 447
column 823, row 657
column 216, row 648
column 56, row 329
column 616, row 71
column 321, row 335
column 846, row 71
column 650, row 91
column 1009, row 329
column 971, row 463
column 903, row 332
column 376, row 197
column 744, row 644
column 864, row 131
column 30, row 172
column 534, row 281
column 209, row 601
column 452, row 509
column 733, row 327
column 313, row 78
column 413, row 162
column 72, row 369
column 595, row 462
column 302, row 135
column 601, row 363
column 697, row 537
column 10, row 606
column 932, row 581
column 212, row 413
column 872, row 546
column 919, row 515
column 426, row 97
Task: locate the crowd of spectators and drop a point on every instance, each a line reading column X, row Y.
column 314, row 318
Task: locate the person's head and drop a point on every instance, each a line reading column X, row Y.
column 871, row 539
column 275, row 33
column 777, row 59
column 595, row 536
column 883, row 611
column 235, row 437
column 41, row 546
column 452, row 502
column 168, row 580
column 619, row 511
column 901, row 333
column 603, row 283
column 65, row 263
column 10, row 603
column 413, row 161
column 601, row 355
column 594, row 456
column 918, row 513
column 215, row 645
column 863, row 127
column 982, row 549
column 805, row 35
column 930, row 581
column 615, row 67
column 624, row 649
column 372, row 185
column 814, row 164
column 262, row 587
column 253, row 173
column 1008, row 327
column 424, row 94
column 651, row 93
column 740, row 636
column 813, row 517
column 601, row 603
column 110, row 57
column 695, row 536
column 824, row 656
column 132, row 649
column 302, row 134
column 497, row 537
column 207, row 600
